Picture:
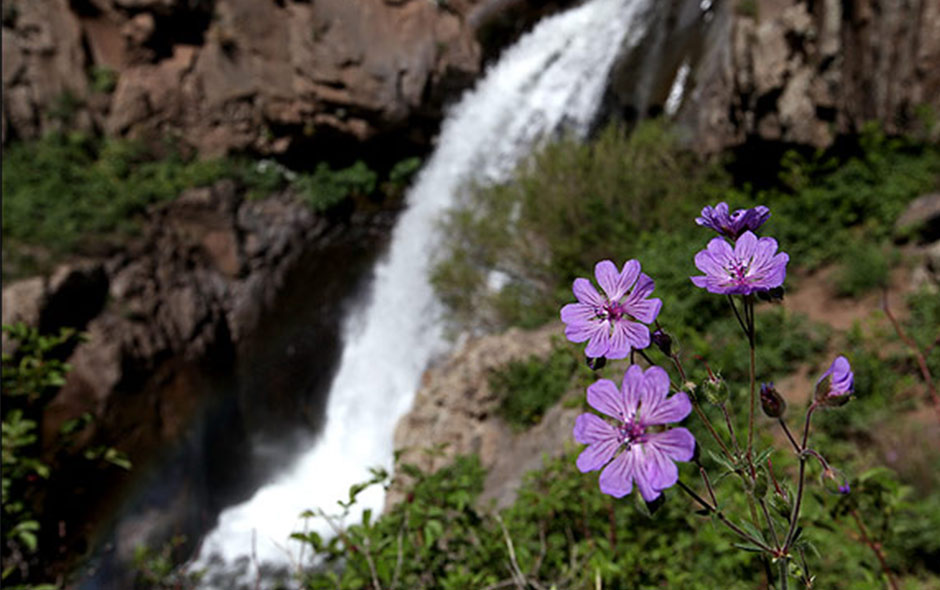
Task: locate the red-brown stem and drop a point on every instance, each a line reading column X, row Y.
column 876, row 548
column 918, row 354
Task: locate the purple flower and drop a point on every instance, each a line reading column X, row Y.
column 648, row 454
column 835, row 386
column 611, row 324
column 734, row 224
column 752, row 265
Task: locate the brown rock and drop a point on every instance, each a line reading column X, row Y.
column 455, row 407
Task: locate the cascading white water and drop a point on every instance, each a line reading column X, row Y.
column 551, row 79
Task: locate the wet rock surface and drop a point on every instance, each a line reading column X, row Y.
column 215, row 330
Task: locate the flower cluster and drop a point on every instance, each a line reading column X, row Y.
column 631, row 444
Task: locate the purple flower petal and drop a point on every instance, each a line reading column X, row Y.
column 645, row 480
column 632, row 389
column 617, row 478
column 753, row 265
column 599, row 343
column 677, row 443
column 604, row 397
column 590, row 428
column 638, row 335
column 597, row 455
column 585, row 292
column 656, row 408
column 615, row 284
column 660, row 473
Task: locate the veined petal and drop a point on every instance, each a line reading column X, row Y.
column 645, row 310
column 677, row 443
column 643, row 288
column 619, row 340
column 660, row 471
column 617, row 478
column 653, row 391
column 604, row 397
column 641, row 473
column 669, row 410
column 631, row 389
column 597, row 455
column 637, row 334
column 591, row 428
column 746, row 246
column 585, row 292
column 609, row 279
column 599, row 343
column 581, row 331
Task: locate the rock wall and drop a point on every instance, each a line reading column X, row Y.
column 265, row 76
column 456, row 408
column 187, row 359
column 806, row 71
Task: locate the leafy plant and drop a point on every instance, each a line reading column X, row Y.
column 528, row 388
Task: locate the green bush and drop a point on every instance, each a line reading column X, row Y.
column 625, row 196
column 527, row 389
column 864, row 267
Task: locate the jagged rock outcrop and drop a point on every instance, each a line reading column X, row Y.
column 455, row 407
column 805, row 72
column 236, row 75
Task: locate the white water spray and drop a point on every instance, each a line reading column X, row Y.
column 551, row 79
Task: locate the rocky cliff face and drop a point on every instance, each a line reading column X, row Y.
column 805, row 72
column 189, row 354
column 456, row 408
column 264, row 76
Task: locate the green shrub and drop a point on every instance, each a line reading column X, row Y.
column 864, row 267
column 528, row 388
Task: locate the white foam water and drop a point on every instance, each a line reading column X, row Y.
column 551, row 80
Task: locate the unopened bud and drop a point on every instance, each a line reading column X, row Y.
column 596, row 364
column 771, row 401
column 774, row 295
column 835, row 481
column 715, row 389
column 663, row 341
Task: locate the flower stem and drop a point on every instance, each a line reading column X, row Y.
column 724, row 520
column 751, row 340
column 784, row 564
column 795, row 516
column 677, row 362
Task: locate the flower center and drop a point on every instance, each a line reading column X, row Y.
column 632, row 432
column 613, row 310
column 739, row 270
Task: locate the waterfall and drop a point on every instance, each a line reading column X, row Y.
column 551, row 80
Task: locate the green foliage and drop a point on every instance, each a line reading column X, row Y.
column 67, row 193
column 325, row 187
column 103, row 79
column 572, row 204
column 528, row 388
column 635, row 196
column 63, row 189
column 827, row 204
column 864, row 267
column 157, row 569
column 30, row 377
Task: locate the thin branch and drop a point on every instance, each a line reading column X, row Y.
column 921, row 360
column 876, row 548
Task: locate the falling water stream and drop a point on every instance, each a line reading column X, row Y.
column 551, row 80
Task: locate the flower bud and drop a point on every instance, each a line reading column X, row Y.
column 596, row 364
column 771, row 401
column 774, row 295
column 663, row 341
column 715, row 389
column 836, row 385
column 834, row 481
